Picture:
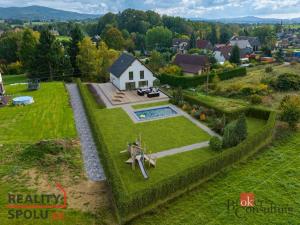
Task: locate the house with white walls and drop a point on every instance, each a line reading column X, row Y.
column 129, row 73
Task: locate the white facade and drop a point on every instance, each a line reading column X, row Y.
column 219, row 57
column 136, row 69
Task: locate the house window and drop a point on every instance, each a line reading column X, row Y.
column 130, row 75
column 143, row 83
column 142, row 74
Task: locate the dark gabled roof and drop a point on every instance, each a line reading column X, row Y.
column 121, row 64
column 254, row 41
column 225, row 51
column 191, row 63
column 203, row 44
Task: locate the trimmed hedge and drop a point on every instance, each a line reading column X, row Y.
column 131, row 205
column 187, row 82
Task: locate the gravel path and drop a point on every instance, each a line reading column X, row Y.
column 92, row 163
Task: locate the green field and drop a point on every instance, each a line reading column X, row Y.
column 12, row 79
column 272, row 176
column 49, row 117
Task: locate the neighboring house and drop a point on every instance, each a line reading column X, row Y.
column 129, row 73
column 2, row 91
column 96, row 39
column 246, row 42
column 192, row 64
column 204, row 44
column 222, row 53
column 180, row 45
column 54, row 32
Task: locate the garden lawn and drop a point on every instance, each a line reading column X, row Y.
column 12, row 79
column 223, row 104
column 159, row 135
column 50, row 117
column 273, row 175
column 148, row 105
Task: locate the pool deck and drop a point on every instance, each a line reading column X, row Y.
column 112, row 97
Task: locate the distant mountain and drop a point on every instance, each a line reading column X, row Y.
column 42, row 13
column 251, row 20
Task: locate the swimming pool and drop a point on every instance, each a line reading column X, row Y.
column 155, row 113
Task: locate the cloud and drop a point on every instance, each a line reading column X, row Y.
column 184, row 8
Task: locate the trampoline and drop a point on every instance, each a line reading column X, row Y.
column 23, row 100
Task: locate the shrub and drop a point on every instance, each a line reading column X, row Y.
column 235, row 132
column 215, row 143
column 255, row 99
column 15, row 68
column 288, row 81
column 177, row 96
column 269, row 69
column 290, row 107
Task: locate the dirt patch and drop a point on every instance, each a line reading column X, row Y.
column 83, row 195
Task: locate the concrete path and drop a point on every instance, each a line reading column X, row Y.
column 92, row 163
column 175, row 151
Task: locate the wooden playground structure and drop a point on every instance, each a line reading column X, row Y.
column 139, row 154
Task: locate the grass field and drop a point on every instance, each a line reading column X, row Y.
column 255, row 75
column 49, row 117
column 63, row 38
column 272, row 176
column 28, row 166
column 12, row 79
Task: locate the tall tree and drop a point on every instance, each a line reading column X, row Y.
column 51, row 61
column 9, row 46
column 88, row 60
column 27, row 49
column 158, row 37
column 77, row 36
column 235, row 55
column 213, row 35
column 156, row 61
column 106, row 59
column 193, row 40
column 114, row 38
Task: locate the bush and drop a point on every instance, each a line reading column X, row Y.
column 269, row 69
column 15, row 68
column 215, row 143
column 287, row 82
column 255, row 99
column 290, row 107
column 235, row 132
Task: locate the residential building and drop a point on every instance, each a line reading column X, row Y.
column 192, row 64
column 204, row 45
column 129, row 73
column 246, row 42
column 222, row 53
column 180, row 45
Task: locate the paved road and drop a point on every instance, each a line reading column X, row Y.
column 92, row 163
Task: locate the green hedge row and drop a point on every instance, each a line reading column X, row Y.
column 130, row 205
column 187, row 82
column 111, row 172
column 252, row 111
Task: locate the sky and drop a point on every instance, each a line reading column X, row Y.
column 210, row 9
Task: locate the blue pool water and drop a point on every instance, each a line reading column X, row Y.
column 160, row 112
